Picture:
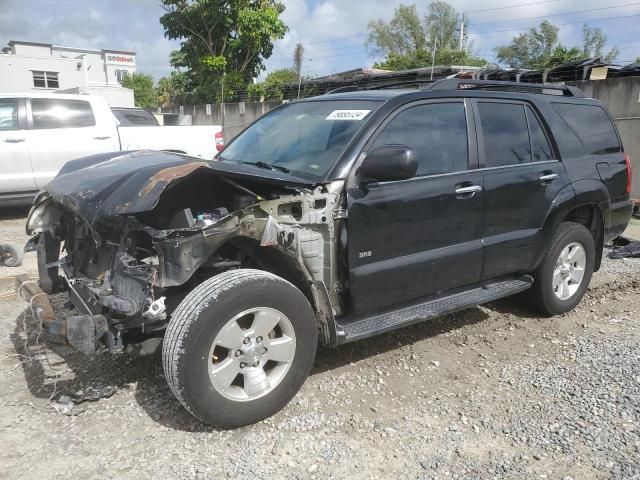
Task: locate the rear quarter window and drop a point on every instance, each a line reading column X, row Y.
column 592, row 126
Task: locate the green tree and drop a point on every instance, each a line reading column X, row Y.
column 562, row 54
column 407, row 42
column 541, row 48
column 143, row 92
column 443, row 25
column 593, row 43
column 403, row 35
column 275, row 85
column 165, row 92
column 532, row 49
column 219, row 37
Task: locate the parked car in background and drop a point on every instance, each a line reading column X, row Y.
column 329, row 220
column 39, row 133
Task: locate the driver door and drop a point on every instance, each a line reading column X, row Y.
column 412, row 238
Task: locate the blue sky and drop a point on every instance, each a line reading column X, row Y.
column 333, row 31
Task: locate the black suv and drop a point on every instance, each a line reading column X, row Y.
column 328, row 220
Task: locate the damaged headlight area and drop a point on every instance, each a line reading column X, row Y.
column 126, row 272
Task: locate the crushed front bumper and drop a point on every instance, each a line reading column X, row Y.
column 86, row 333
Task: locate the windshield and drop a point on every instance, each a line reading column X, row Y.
column 304, row 138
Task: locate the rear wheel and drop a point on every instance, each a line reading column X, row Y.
column 10, row 255
column 239, row 347
column 565, row 272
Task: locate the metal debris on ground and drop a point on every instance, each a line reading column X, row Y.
column 625, row 248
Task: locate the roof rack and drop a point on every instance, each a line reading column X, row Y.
column 543, row 88
column 463, row 84
column 355, row 88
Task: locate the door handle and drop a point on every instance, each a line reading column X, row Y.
column 548, row 177
column 469, row 191
column 101, row 138
column 14, row 140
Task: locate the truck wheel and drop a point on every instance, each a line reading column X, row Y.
column 239, row 347
column 565, row 272
column 10, row 255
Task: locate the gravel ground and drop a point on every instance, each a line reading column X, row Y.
column 491, row 392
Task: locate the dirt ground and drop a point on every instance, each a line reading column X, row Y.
column 491, row 392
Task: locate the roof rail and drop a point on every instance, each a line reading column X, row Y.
column 355, row 88
column 543, row 88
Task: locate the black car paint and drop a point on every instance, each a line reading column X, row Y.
column 132, row 182
column 410, row 238
column 425, row 255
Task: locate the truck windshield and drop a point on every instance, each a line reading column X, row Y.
column 305, row 138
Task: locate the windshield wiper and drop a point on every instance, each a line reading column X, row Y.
column 268, row 166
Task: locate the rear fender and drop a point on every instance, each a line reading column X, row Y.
column 591, row 193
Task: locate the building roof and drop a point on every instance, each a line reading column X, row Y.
column 61, row 47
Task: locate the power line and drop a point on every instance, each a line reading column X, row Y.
column 557, row 25
column 558, row 14
column 509, row 6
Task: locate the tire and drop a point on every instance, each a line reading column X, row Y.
column 547, row 294
column 202, row 338
column 10, row 256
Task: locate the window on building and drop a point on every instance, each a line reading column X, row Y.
column 8, row 114
column 58, row 113
column 438, row 134
column 45, row 79
column 121, row 75
column 505, row 134
column 592, row 125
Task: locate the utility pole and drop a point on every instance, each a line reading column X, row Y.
column 224, row 73
column 433, row 55
column 462, row 33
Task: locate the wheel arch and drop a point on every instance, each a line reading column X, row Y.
column 274, row 260
column 582, row 202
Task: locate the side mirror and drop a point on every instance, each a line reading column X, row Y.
column 388, row 163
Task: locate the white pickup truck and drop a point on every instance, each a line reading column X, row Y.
column 39, row 133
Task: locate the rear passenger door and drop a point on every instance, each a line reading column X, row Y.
column 16, row 175
column 412, row 238
column 62, row 130
column 522, row 176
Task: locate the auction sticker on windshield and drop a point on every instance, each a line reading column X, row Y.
column 348, row 115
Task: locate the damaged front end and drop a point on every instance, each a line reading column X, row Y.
column 128, row 245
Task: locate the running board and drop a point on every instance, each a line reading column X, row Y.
column 358, row 327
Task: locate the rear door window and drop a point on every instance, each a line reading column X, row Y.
column 505, row 134
column 61, row 113
column 436, row 131
column 592, row 126
column 8, row 113
column 540, row 148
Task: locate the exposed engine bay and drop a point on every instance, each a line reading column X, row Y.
column 127, row 267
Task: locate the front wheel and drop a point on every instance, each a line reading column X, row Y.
column 239, row 347
column 565, row 272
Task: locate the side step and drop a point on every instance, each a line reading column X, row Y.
column 358, row 327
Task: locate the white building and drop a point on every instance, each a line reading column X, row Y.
column 36, row 67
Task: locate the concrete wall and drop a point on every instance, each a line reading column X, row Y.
column 622, row 98
column 236, row 118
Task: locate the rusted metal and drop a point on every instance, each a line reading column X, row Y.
column 31, row 292
column 41, row 308
column 167, row 175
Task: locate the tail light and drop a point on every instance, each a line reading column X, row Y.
column 219, row 141
column 629, row 173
